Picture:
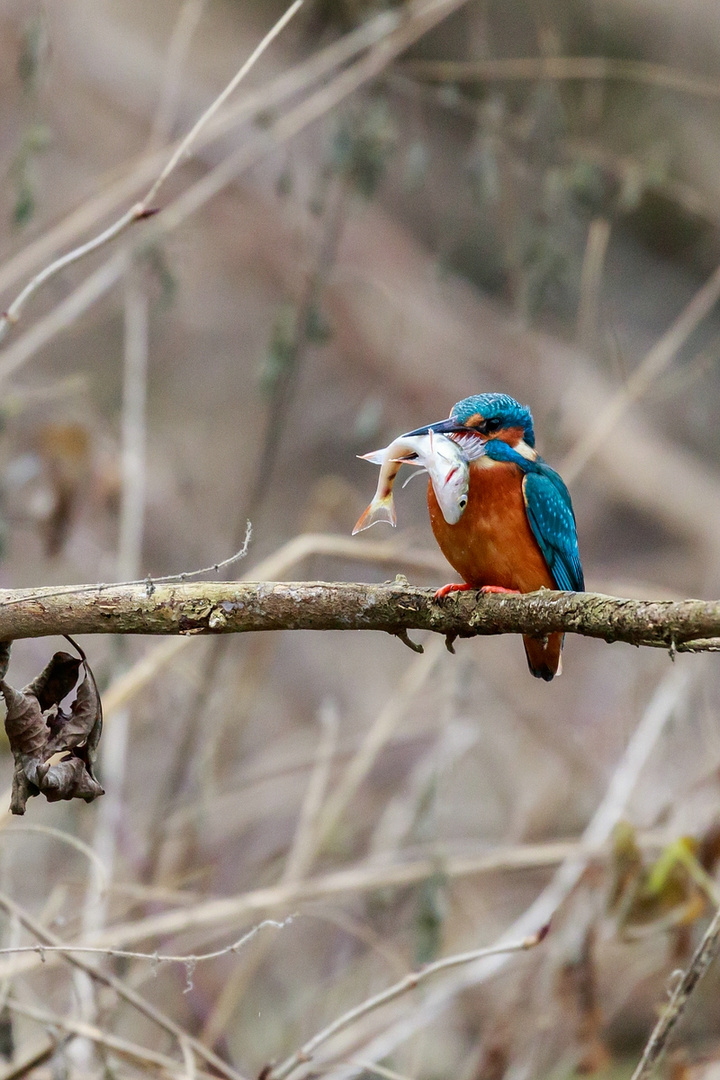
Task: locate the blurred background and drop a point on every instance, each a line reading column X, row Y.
column 403, row 204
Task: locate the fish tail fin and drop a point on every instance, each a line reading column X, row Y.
column 375, row 456
column 378, row 510
column 544, row 655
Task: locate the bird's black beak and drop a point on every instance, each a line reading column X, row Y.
column 442, row 427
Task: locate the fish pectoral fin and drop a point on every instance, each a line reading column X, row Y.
column 418, row 472
column 376, row 511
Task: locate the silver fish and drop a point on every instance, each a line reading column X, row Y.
column 445, row 463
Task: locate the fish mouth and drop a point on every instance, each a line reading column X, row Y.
column 470, row 441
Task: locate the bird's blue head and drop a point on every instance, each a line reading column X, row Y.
column 491, row 416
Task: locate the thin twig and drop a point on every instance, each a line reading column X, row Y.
column 64, row 314
column 705, row 954
column 275, row 567
column 419, row 17
column 307, row 835
column 149, row 582
column 361, row 878
column 134, row 425
column 591, row 283
column 652, row 366
column 412, row 681
column 612, row 807
column 288, row 84
column 38, row 1055
column 122, row 1047
column 563, row 67
column 64, row 838
column 125, row 992
column 144, row 208
column 154, row 958
column 407, row 983
column 186, row 24
column 183, row 149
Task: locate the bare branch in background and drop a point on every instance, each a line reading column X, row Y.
column 126, row 993
column 659, row 712
column 189, row 960
column 351, row 880
column 305, row 1054
column 600, row 68
column 645, row 374
column 706, row 952
column 185, row 26
column 387, row 40
column 144, row 208
column 292, row 82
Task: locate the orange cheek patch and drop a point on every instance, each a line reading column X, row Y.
column 511, row 436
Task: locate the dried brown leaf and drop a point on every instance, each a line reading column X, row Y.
column 55, row 681
column 68, row 732
column 4, row 657
column 26, row 727
column 68, row 779
column 38, row 730
column 22, row 789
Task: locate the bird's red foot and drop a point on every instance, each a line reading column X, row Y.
column 498, row 589
column 453, row 587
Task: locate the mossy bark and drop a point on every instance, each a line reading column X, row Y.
column 231, row 607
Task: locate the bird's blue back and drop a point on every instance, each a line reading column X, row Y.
column 550, row 515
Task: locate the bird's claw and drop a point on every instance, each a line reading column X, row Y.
column 464, row 587
column 451, row 588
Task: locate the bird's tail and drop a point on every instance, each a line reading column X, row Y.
column 544, row 655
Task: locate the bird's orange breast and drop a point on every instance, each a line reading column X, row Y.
column 492, row 543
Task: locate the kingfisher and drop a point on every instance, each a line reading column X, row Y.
column 518, row 531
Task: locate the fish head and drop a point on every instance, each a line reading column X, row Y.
column 452, row 493
column 450, row 475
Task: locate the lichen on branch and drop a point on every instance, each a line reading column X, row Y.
column 395, row 608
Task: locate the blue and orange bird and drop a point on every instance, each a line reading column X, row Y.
column 518, row 532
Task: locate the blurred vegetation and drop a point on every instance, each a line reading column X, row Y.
column 426, row 238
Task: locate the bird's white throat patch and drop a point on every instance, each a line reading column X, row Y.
column 525, row 451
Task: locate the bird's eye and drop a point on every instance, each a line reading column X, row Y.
column 492, row 425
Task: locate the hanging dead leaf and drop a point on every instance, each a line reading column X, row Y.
column 25, row 724
column 38, row 730
column 4, row 657
column 68, row 779
column 56, row 680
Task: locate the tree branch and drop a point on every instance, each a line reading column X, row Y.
column 706, row 952
column 239, row 607
column 143, row 209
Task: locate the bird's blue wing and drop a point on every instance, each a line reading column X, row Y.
column 552, row 521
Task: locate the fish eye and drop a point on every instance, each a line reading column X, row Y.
column 462, row 503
